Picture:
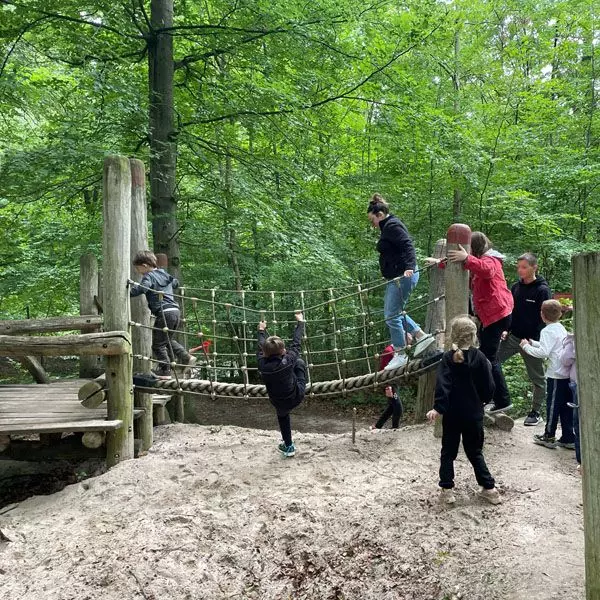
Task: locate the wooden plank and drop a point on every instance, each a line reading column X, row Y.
column 64, row 427
column 112, row 343
column 88, row 322
column 160, row 399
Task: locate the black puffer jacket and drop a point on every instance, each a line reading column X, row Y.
column 526, row 320
column 462, row 389
column 395, row 247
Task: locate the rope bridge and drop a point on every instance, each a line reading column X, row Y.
column 345, row 332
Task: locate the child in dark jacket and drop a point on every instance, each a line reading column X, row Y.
column 464, row 385
column 394, row 408
column 158, row 286
column 284, row 374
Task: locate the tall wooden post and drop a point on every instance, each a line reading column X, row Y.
column 141, row 337
column 586, row 287
column 116, row 244
column 457, row 286
column 89, row 366
column 435, row 321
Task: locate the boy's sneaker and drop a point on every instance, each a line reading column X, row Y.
column 447, row 496
column 567, row 445
column 492, row 496
column 400, row 359
column 287, row 451
column 161, row 374
column 541, row 439
column 422, row 344
column 493, row 408
column 532, row 419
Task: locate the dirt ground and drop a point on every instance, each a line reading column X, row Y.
column 215, row 513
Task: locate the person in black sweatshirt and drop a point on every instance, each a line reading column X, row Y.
column 284, row 375
column 528, row 293
column 398, row 264
column 464, row 385
column 158, row 287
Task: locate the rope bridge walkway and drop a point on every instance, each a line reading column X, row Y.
column 345, row 333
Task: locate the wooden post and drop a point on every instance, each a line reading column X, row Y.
column 586, row 287
column 116, row 244
column 33, row 365
column 141, row 337
column 89, row 366
column 457, row 287
column 435, row 321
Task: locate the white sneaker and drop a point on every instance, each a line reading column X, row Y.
column 447, row 496
column 492, row 496
column 400, row 359
column 422, row 344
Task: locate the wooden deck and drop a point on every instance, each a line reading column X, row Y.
column 51, row 408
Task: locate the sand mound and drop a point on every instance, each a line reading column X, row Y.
column 216, row 513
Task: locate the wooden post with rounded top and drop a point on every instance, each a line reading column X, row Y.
column 141, row 337
column 586, row 288
column 116, row 246
column 457, row 287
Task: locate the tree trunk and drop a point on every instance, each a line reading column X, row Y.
column 163, row 147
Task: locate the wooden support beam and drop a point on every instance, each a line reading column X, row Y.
column 64, row 427
column 50, row 325
column 33, row 365
column 586, row 287
column 108, row 343
column 116, row 248
column 89, row 366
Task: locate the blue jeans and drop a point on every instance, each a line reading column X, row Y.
column 395, row 299
column 573, row 387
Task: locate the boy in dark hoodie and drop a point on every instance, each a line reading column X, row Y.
column 528, row 293
column 284, row 374
column 464, row 384
column 158, row 287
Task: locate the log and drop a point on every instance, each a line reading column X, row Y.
column 586, row 288
column 93, row 393
column 112, row 343
column 89, row 366
column 457, row 287
column 35, row 368
column 93, row 439
column 434, row 321
column 141, row 337
column 116, row 248
column 50, row 325
column 64, row 426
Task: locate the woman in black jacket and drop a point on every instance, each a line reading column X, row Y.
column 398, row 263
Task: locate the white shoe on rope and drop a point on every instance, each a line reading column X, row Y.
column 422, row 344
column 400, row 359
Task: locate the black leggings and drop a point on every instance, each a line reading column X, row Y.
column 284, row 408
column 489, row 343
column 394, row 410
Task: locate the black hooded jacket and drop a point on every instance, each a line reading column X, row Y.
column 462, row 389
column 526, row 320
column 395, row 247
column 158, row 281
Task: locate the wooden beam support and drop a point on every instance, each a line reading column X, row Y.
column 108, row 343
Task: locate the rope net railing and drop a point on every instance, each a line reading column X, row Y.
column 345, row 334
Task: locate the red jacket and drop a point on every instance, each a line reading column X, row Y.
column 491, row 297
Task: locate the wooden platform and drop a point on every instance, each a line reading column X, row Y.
column 50, row 408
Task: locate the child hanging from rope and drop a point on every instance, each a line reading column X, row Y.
column 464, row 385
column 284, row 374
column 394, row 408
column 158, row 287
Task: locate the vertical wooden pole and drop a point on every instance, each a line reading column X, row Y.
column 435, row 321
column 116, row 244
column 586, row 287
column 457, row 286
column 141, row 337
column 89, row 366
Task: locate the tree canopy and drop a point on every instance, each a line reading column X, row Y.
column 284, row 118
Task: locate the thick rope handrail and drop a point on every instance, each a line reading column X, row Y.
column 413, row 369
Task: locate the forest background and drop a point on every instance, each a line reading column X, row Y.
column 267, row 125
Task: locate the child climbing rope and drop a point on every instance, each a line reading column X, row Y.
column 284, row 374
column 464, row 385
column 158, row 287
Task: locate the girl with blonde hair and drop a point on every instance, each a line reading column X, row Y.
column 464, row 385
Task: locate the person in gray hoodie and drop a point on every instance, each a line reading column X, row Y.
column 158, row 286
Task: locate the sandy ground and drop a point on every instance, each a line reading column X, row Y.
column 215, row 513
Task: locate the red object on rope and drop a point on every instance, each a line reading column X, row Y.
column 204, row 346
